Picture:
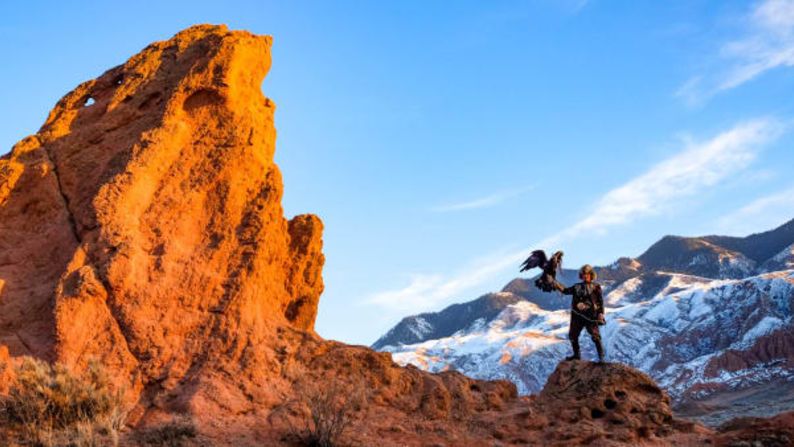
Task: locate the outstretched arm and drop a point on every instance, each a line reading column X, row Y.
column 563, row 289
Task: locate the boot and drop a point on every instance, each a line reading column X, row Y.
column 600, row 350
column 575, row 346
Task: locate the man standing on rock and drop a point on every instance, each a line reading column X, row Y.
column 587, row 310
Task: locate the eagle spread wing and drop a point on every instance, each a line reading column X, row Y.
column 555, row 262
column 553, row 265
column 536, row 259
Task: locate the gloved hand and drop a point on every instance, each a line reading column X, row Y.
column 601, row 320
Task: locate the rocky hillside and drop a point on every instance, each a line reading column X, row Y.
column 716, row 335
column 143, row 229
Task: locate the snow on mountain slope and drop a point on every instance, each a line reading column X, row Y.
column 454, row 318
column 781, row 261
column 675, row 335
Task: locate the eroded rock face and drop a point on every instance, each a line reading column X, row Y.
column 143, row 223
column 609, row 399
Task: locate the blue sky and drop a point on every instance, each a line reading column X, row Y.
column 441, row 141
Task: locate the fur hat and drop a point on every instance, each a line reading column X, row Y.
column 587, row 268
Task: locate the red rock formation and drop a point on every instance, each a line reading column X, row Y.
column 608, row 401
column 143, row 227
column 775, row 347
column 145, row 216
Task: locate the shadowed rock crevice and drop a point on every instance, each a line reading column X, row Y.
column 70, row 215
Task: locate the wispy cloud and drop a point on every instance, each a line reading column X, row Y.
column 579, row 5
column 767, row 43
column 426, row 291
column 698, row 166
column 763, row 212
column 482, row 202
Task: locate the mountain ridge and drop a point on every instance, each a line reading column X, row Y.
column 699, row 257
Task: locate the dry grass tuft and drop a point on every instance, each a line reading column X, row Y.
column 53, row 406
column 324, row 411
column 172, row 434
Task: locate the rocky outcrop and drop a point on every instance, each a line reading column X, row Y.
column 607, row 401
column 582, row 403
column 144, row 220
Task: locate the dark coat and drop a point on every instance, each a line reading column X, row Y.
column 588, row 294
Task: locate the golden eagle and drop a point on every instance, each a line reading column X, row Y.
column 550, row 266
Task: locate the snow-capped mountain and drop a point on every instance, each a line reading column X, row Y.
column 706, row 317
column 454, row 318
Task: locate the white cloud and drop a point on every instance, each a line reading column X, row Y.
column 428, row 291
column 762, row 213
column 767, row 43
column 482, row 202
column 697, row 167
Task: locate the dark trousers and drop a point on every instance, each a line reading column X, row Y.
column 577, row 324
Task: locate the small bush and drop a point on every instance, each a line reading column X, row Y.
column 52, row 405
column 172, row 434
column 325, row 412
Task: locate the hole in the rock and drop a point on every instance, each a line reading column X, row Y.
column 610, row 404
column 118, row 80
column 620, row 394
column 294, row 308
column 89, row 101
column 474, row 387
column 596, row 413
column 634, row 410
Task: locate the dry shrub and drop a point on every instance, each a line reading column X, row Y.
column 53, row 406
column 325, row 411
column 172, row 434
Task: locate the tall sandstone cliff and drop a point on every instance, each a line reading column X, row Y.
column 142, row 227
column 143, row 223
